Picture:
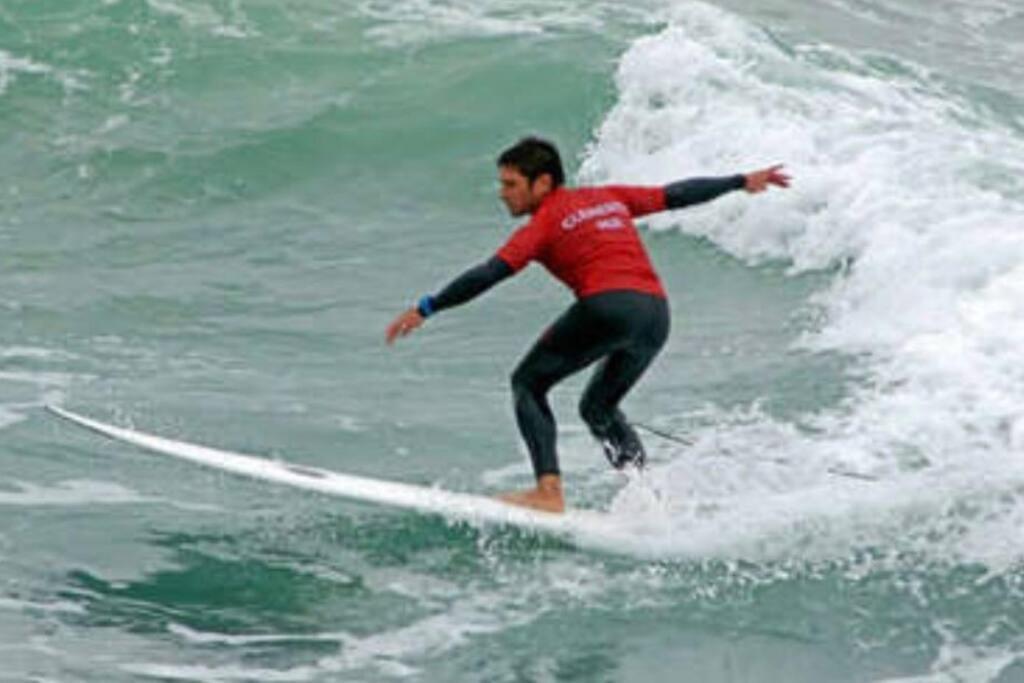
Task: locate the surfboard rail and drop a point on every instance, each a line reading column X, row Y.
column 450, row 504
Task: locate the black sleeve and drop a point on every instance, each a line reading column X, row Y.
column 698, row 190
column 471, row 284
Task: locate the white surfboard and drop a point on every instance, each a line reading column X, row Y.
column 459, row 506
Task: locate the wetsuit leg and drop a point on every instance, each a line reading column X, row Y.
column 599, row 406
column 572, row 342
column 627, row 327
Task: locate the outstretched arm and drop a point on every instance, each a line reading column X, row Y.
column 465, row 287
column 699, row 190
column 652, row 199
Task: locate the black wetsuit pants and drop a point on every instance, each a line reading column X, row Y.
column 624, row 330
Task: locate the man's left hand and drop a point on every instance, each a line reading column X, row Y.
column 758, row 181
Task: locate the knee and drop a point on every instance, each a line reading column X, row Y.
column 591, row 413
column 528, row 386
column 521, row 383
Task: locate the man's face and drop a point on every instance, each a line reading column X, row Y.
column 520, row 196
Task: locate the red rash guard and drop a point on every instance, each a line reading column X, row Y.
column 586, row 238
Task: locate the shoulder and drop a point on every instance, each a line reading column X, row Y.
column 599, row 195
column 588, row 193
column 570, row 199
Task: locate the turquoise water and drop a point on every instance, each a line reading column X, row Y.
column 210, row 210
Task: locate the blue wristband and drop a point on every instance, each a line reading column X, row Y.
column 426, row 306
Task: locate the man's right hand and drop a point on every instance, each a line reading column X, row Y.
column 404, row 324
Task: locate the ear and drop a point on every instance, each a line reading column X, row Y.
column 543, row 184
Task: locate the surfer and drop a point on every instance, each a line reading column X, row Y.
column 586, row 238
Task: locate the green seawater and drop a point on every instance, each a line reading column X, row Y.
column 209, row 212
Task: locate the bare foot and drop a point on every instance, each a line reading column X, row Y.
column 534, row 499
column 547, row 496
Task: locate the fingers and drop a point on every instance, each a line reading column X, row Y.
column 392, row 333
column 403, row 325
column 775, row 176
column 780, row 179
column 759, row 181
column 397, row 330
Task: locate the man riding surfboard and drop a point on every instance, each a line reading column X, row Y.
column 586, row 238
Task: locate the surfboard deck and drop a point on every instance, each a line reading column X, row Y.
column 459, row 506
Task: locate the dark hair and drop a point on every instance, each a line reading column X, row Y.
column 533, row 157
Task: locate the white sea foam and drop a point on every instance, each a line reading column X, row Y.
column 959, row 663
column 80, row 492
column 62, row 607
column 50, row 382
column 71, row 492
column 208, row 637
column 35, row 353
column 43, row 379
column 231, row 23
column 41, row 386
column 181, row 672
column 413, row 22
column 916, row 195
column 10, row 66
column 9, row 417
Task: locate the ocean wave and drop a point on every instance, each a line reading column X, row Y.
column 913, row 196
column 469, row 613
